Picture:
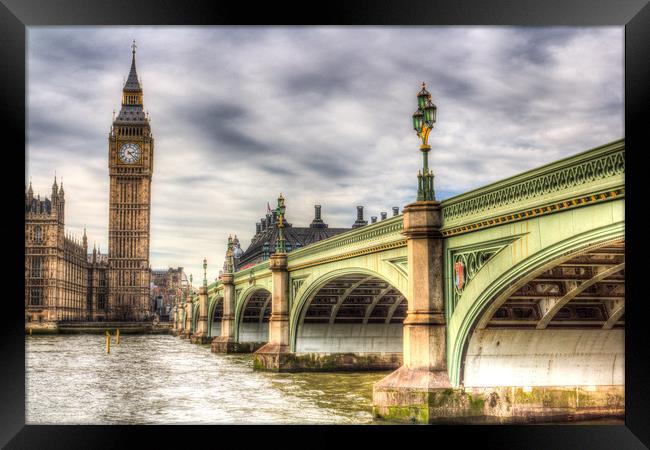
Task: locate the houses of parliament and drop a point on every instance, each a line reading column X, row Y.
column 66, row 282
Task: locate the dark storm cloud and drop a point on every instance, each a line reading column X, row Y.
column 535, row 45
column 327, row 164
column 218, row 123
column 322, row 115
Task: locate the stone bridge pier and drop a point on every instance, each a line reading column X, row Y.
column 276, row 354
column 422, row 379
column 186, row 331
column 201, row 334
column 227, row 341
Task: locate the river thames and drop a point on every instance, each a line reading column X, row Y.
column 160, row 379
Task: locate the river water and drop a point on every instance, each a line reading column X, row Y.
column 161, row 379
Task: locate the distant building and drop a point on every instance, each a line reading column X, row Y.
column 168, row 286
column 262, row 245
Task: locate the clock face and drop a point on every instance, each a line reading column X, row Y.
column 129, row 153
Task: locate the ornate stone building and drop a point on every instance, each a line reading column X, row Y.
column 65, row 283
column 97, row 302
column 130, row 163
column 55, row 263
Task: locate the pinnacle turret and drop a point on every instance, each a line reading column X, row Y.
column 55, row 189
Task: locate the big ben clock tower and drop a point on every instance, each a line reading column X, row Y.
column 130, row 163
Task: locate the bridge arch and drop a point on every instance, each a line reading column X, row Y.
column 215, row 313
column 253, row 313
column 350, row 310
column 195, row 315
column 554, row 318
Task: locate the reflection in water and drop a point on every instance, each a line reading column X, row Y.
column 160, row 379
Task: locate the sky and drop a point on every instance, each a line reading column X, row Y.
column 319, row 114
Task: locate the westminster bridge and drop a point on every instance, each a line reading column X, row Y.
column 505, row 303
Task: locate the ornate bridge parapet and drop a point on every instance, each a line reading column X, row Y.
column 589, row 177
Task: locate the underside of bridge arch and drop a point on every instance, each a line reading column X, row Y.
column 353, row 313
column 564, row 326
column 215, row 318
column 254, row 319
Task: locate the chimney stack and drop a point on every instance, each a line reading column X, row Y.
column 373, row 219
column 359, row 222
column 317, row 222
column 258, row 228
column 395, row 210
column 384, row 214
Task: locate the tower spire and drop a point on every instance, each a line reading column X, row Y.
column 132, row 83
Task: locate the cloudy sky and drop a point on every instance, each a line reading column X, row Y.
column 321, row 114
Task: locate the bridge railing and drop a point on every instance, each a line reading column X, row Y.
column 565, row 183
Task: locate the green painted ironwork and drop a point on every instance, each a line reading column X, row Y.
column 592, row 172
column 423, row 119
column 280, row 245
column 230, row 263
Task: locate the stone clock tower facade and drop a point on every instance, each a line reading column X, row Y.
column 130, row 163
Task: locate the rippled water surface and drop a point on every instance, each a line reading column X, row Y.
column 160, row 379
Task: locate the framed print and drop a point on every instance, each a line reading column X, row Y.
column 391, row 215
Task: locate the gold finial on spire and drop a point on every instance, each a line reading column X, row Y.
column 133, row 47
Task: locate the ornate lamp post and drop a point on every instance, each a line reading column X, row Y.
column 423, row 119
column 280, row 243
column 205, row 275
column 229, row 266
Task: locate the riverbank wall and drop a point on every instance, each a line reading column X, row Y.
column 99, row 328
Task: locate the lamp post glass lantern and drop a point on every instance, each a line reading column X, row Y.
column 423, row 119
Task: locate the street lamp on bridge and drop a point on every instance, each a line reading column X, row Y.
column 205, row 275
column 280, row 246
column 423, row 119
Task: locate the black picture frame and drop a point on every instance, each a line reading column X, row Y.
column 16, row 15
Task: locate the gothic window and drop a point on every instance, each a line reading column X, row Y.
column 38, row 234
column 37, row 264
column 101, row 301
column 36, row 296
